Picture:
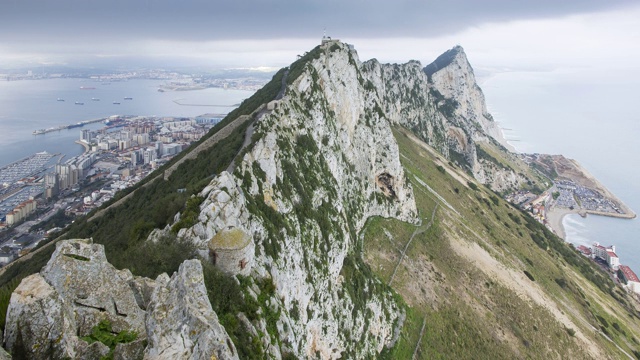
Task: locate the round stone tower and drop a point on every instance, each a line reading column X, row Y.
column 232, row 251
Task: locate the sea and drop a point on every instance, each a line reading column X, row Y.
column 28, row 105
column 590, row 116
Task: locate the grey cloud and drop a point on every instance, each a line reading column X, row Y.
column 94, row 21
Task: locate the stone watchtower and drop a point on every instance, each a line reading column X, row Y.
column 232, row 251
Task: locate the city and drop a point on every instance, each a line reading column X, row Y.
column 43, row 192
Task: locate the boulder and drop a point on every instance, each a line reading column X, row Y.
column 39, row 323
column 181, row 323
column 74, row 292
column 79, row 272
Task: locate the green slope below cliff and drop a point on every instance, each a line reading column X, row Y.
column 481, row 279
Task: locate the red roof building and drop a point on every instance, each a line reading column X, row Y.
column 584, row 250
column 629, row 275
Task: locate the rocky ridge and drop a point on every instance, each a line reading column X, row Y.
column 50, row 312
column 322, row 162
column 321, row 166
column 443, row 105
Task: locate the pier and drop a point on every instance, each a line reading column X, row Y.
column 71, row 126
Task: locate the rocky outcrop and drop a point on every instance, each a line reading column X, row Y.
column 39, row 324
column 181, row 323
column 51, row 311
column 95, row 290
column 75, row 291
column 453, row 77
column 461, row 101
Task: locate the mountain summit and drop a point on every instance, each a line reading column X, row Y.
column 337, row 213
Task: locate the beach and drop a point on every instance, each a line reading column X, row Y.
column 554, row 218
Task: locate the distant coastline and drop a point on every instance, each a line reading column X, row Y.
column 572, row 170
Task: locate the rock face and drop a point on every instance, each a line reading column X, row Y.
column 79, row 272
column 323, row 162
column 78, row 288
column 444, row 106
column 460, row 99
column 181, row 323
column 452, row 76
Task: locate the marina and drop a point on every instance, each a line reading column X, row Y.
column 25, row 167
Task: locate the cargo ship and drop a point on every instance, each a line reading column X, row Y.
column 87, row 88
column 128, row 98
column 79, row 103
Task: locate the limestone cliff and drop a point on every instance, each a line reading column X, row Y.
column 322, row 162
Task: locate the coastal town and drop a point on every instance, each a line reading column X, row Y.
column 568, row 196
column 236, row 79
column 48, row 189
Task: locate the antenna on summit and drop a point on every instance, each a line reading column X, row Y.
column 325, row 38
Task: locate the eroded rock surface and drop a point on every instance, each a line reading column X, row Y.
column 181, row 323
column 49, row 312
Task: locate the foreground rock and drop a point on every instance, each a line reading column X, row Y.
column 181, row 323
column 78, row 289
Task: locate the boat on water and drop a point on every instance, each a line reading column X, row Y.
column 79, row 103
column 39, row 131
column 116, row 103
column 60, row 99
column 87, row 88
column 128, row 98
column 95, row 99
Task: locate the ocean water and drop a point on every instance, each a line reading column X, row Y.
column 29, row 105
column 586, row 115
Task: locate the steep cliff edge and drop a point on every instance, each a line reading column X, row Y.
column 322, row 162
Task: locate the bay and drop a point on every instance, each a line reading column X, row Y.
column 586, row 115
column 29, row 105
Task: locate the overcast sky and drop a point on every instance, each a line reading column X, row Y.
column 496, row 34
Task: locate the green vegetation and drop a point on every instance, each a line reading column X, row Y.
column 103, row 332
column 465, row 308
column 296, row 69
column 189, row 216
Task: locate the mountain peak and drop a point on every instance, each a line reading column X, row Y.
column 444, row 60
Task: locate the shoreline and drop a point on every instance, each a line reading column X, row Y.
column 86, row 147
column 556, row 215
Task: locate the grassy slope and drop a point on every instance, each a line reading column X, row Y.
column 464, row 278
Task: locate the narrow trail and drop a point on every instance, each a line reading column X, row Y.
column 415, row 352
column 419, row 230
